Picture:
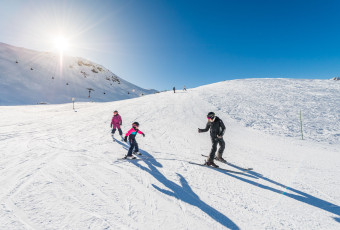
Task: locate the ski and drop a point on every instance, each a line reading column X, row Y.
column 128, row 159
column 238, row 167
column 222, row 169
column 137, row 159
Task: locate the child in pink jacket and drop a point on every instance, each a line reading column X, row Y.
column 116, row 123
column 132, row 140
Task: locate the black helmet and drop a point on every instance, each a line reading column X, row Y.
column 211, row 115
column 115, row 111
column 135, row 124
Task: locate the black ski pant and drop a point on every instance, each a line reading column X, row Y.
column 216, row 141
column 119, row 129
column 133, row 145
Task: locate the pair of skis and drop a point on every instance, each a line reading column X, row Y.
column 243, row 170
column 134, row 157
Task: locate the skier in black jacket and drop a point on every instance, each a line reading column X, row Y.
column 217, row 129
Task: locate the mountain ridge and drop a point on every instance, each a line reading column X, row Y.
column 32, row 77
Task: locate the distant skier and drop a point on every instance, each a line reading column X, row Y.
column 116, row 123
column 132, row 140
column 174, row 89
column 217, row 129
column 184, row 88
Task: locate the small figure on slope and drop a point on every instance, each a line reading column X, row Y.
column 116, row 123
column 217, row 129
column 174, row 89
column 132, row 140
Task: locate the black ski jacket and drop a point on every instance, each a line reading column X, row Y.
column 216, row 127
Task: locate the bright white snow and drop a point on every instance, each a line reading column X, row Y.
column 59, row 169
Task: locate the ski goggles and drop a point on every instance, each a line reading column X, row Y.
column 136, row 126
column 210, row 117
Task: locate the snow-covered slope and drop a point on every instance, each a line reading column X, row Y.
column 274, row 105
column 59, row 168
column 31, row 77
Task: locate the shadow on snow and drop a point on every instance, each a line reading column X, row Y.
column 299, row 195
column 182, row 192
column 185, row 193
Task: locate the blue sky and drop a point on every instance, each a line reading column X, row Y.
column 160, row 44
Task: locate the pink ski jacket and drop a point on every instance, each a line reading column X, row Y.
column 133, row 132
column 116, row 121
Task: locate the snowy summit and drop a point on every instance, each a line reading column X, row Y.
column 31, row 77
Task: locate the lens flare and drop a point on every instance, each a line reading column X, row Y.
column 61, row 43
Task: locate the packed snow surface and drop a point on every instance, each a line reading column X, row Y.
column 60, row 169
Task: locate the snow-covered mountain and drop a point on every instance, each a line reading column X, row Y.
column 31, row 77
column 60, row 169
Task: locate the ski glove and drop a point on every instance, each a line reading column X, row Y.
column 219, row 137
column 125, row 139
column 143, row 134
column 111, row 125
column 199, row 130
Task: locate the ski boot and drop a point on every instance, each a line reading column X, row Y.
column 137, row 153
column 220, row 159
column 130, row 157
column 211, row 163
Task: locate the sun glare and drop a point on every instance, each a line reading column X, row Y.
column 61, row 43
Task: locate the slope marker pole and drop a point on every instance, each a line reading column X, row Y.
column 301, row 124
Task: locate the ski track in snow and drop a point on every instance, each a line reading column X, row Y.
column 60, row 168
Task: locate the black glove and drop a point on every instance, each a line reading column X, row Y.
column 125, row 138
column 143, row 134
column 111, row 125
column 199, row 130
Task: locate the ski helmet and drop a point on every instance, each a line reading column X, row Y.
column 135, row 124
column 115, row 111
column 211, row 115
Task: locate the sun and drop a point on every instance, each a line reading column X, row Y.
column 61, row 43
